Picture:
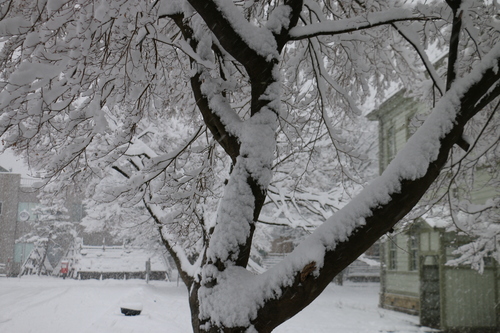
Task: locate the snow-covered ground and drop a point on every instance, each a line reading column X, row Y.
column 52, row 305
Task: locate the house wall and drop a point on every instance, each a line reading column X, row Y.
column 401, row 285
column 483, row 191
column 463, row 299
column 394, row 117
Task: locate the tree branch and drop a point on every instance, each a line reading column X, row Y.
column 342, row 26
column 283, row 37
column 453, row 53
column 229, row 35
column 228, row 141
column 454, row 42
column 255, row 48
column 224, row 136
column 381, row 217
column 423, row 56
column 180, row 258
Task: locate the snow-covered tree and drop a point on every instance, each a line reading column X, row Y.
column 188, row 107
column 51, row 233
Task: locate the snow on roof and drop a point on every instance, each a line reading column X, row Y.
column 436, row 57
column 368, row 261
column 117, row 259
column 436, row 222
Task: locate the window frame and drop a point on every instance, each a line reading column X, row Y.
column 413, row 247
column 390, row 143
column 392, row 254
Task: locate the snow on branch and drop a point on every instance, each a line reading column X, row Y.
column 232, row 22
column 220, row 118
column 252, row 46
column 370, row 20
column 155, row 167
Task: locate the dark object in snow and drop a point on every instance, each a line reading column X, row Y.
column 130, row 312
column 131, row 309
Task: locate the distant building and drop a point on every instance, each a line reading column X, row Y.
column 16, row 196
column 18, row 210
column 117, row 262
column 415, row 278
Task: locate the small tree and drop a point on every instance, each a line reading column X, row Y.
column 51, row 233
column 195, row 104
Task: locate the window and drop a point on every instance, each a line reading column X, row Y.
column 392, row 254
column 413, row 252
column 28, row 211
column 390, row 144
column 410, row 125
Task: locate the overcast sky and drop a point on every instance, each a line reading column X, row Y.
column 9, row 161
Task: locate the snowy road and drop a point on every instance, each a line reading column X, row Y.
column 51, row 305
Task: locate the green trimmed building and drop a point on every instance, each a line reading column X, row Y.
column 414, row 276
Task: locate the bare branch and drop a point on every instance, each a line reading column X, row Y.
column 342, row 26
column 423, row 56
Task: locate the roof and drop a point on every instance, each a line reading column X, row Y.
column 396, row 96
column 393, row 104
column 117, row 259
column 437, row 222
column 3, row 169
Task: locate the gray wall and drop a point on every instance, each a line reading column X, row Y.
column 9, row 195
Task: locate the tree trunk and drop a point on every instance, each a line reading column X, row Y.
column 44, row 256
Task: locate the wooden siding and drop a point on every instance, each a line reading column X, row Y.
column 393, row 116
column 396, row 122
column 403, row 283
column 401, row 303
column 483, row 191
column 403, row 252
column 469, row 299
